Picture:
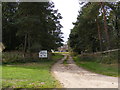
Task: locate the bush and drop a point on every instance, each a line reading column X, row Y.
column 73, row 53
column 17, row 57
column 110, row 58
column 107, row 58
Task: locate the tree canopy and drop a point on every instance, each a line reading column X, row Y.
column 31, row 26
column 96, row 28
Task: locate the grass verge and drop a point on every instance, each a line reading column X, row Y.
column 94, row 66
column 65, row 61
column 30, row 75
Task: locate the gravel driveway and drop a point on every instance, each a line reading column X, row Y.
column 72, row 76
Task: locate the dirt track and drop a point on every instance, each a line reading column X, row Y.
column 72, row 76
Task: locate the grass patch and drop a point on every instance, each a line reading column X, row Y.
column 30, row 75
column 0, row 76
column 65, row 61
column 62, row 52
column 97, row 67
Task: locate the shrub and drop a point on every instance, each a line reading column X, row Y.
column 107, row 58
column 17, row 57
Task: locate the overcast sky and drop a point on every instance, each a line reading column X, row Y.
column 69, row 11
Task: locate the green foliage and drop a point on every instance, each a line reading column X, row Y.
column 105, row 58
column 31, row 27
column 110, row 58
column 17, row 57
column 89, row 33
column 73, row 53
column 30, row 75
column 105, row 65
column 9, row 29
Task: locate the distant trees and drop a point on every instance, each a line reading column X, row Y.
column 30, row 27
column 96, row 28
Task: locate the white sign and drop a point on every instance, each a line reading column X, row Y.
column 43, row 54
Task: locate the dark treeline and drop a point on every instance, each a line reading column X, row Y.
column 97, row 28
column 30, row 27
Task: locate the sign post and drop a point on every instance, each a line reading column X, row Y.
column 43, row 54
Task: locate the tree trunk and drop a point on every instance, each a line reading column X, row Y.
column 28, row 41
column 25, row 46
column 99, row 35
column 116, row 27
column 105, row 26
